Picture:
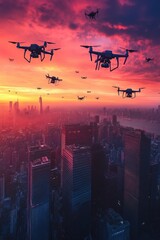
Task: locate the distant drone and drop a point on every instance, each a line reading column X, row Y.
column 128, row 93
column 76, row 71
column 80, row 98
column 104, row 58
column 53, row 79
column 39, row 88
column 83, row 77
column 36, row 50
column 11, row 59
column 92, row 15
column 89, row 91
column 149, row 59
column 97, row 98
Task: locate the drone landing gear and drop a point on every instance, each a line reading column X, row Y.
column 28, row 60
column 112, row 69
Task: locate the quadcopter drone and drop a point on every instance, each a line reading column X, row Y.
column 39, row 88
column 80, row 98
column 11, row 59
column 97, row 98
column 104, row 58
column 53, row 79
column 36, row 50
column 149, row 59
column 88, row 91
column 128, row 93
column 92, row 15
column 83, row 77
column 76, row 71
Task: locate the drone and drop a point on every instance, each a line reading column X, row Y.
column 76, row 71
column 39, row 88
column 83, row 77
column 92, row 15
column 97, row 98
column 104, row 58
column 88, row 91
column 53, row 79
column 80, row 98
column 149, row 59
column 11, row 59
column 128, row 93
column 36, row 50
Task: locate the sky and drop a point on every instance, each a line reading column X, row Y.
column 128, row 24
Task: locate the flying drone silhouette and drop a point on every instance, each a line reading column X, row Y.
column 149, row 59
column 81, row 98
column 92, row 15
column 53, row 79
column 104, row 58
column 128, row 93
column 36, row 50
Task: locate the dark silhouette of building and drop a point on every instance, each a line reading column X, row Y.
column 10, row 106
column 38, row 193
column 76, row 190
column 79, row 135
column 40, row 105
column 136, row 182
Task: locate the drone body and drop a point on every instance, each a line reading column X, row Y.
column 83, row 77
column 35, row 50
column 53, row 79
column 92, row 15
column 128, row 93
column 104, row 58
column 11, row 59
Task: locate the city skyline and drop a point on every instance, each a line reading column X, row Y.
column 135, row 25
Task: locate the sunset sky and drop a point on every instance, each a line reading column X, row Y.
column 120, row 24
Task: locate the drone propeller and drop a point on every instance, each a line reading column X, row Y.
column 130, row 50
column 87, row 46
column 117, row 89
column 47, row 42
column 15, row 42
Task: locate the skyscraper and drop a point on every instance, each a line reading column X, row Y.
column 78, row 134
column 84, row 135
column 40, row 105
column 77, row 191
column 136, row 181
column 38, row 193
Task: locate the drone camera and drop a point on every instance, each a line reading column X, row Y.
column 105, row 65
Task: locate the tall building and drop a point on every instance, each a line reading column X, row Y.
column 76, row 190
column 2, row 187
column 117, row 228
column 38, row 193
column 79, row 135
column 40, row 105
column 10, row 106
column 136, row 180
